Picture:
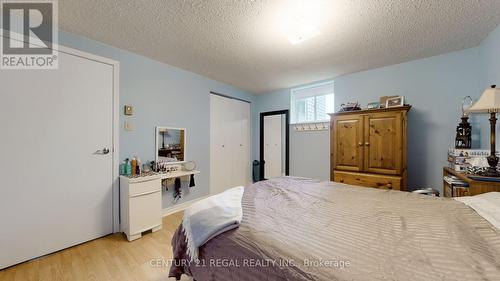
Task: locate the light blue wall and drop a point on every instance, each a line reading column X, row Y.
column 489, row 52
column 434, row 86
column 162, row 95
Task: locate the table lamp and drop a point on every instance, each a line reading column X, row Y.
column 489, row 103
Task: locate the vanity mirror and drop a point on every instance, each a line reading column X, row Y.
column 170, row 144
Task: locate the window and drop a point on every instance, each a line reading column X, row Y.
column 312, row 103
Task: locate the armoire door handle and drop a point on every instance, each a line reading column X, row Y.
column 367, row 144
column 360, row 143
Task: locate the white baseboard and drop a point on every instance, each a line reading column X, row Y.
column 182, row 206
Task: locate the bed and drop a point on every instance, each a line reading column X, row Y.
column 303, row 229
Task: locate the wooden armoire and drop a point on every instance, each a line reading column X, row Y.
column 368, row 147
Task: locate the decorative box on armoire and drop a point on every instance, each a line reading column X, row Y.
column 368, row 147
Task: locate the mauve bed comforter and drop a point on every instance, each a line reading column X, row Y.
column 302, row 229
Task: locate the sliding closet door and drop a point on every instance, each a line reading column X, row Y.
column 230, row 143
column 56, row 185
column 241, row 156
column 232, row 133
column 220, row 156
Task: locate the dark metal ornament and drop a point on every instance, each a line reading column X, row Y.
column 463, row 139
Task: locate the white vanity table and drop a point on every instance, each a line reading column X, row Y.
column 140, row 202
column 140, row 195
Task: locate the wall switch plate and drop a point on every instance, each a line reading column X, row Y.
column 128, row 110
column 129, row 126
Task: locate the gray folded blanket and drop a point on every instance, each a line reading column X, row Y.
column 210, row 217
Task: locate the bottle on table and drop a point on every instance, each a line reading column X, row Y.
column 134, row 165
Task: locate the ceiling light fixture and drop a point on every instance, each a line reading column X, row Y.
column 299, row 20
column 303, row 31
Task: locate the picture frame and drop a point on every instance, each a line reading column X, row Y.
column 384, row 99
column 395, row 102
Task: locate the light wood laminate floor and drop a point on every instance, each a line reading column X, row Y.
column 108, row 258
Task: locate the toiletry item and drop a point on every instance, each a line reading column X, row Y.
column 146, row 168
column 134, row 166
column 123, row 168
column 138, row 167
column 128, row 167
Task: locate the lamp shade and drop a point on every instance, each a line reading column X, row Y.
column 488, row 102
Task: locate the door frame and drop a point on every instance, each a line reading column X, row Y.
column 285, row 112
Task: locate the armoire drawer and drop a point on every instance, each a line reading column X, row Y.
column 368, row 180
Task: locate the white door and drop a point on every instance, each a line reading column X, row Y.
column 56, row 189
column 245, row 147
column 229, row 143
column 220, row 155
column 273, row 146
column 241, row 156
column 232, row 132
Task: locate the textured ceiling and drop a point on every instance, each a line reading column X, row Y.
column 241, row 43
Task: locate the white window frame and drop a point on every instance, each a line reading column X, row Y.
column 313, row 90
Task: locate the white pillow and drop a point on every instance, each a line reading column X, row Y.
column 487, row 205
